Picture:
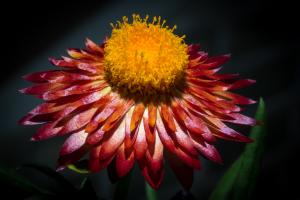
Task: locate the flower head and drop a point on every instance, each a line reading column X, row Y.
column 143, row 95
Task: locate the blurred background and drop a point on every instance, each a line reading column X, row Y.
column 262, row 37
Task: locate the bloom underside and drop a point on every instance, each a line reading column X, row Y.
column 181, row 117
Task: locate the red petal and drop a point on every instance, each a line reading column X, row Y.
column 74, row 64
column 91, row 46
column 47, row 131
column 191, row 122
column 124, row 162
column 75, row 89
column 154, row 181
column 209, row 151
column 242, row 83
column 101, row 104
column 117, row 115
column 201, row 94
column 74, row 142
column 67, row 76
column 241, row 119
column 154, row 161
column 107, row 111
column 112, row 141
column 189, row 159
column 78, row 121
column 235, row 98
column 214, row 62
column 42, row 88
column 36, row 77
column 94, row 161
column 81, row 54
column 219, row 129
column 164, row 136
column 72, row 157
column 184, row 140
column 193, row 48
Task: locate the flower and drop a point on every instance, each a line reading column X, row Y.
column 143, row 95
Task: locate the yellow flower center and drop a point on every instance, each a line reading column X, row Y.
column 145, row 57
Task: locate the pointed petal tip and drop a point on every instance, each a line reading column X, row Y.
column 247, row 140
column 219, row 160
column 60, row 168
column 252, row 81
column 25, row 77
column 251, row 101
column 23, row 90
column 87, row 39
column 227, row 55
column 53, row 61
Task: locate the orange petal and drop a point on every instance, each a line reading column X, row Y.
column 130, row 137
column 136, row 116
column 152, row 115
column 167, row 118
column 117, row 115
column 149, row 131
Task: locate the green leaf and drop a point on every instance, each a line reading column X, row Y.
column 239, row 180
column 122, row 188
column 54, row 175
column 80, row 167
column 10, row 178
column 150, row 193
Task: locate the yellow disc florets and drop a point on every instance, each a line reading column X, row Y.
column 145, row 57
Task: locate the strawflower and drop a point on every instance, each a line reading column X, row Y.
column 142, row 95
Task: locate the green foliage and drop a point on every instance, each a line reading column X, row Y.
column 80, row 167
column 10, row 179
column 150, row 193
column 239, row 180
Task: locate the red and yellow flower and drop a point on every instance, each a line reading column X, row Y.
column 143, row 95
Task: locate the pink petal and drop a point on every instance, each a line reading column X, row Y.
column 140, row 145
column 74, row 142
column 112, row 141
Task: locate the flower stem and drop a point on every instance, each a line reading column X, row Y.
column 150, row 193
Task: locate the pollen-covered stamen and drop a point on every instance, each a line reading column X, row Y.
column 145, row 57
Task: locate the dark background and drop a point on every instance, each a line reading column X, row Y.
column 262, row 37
